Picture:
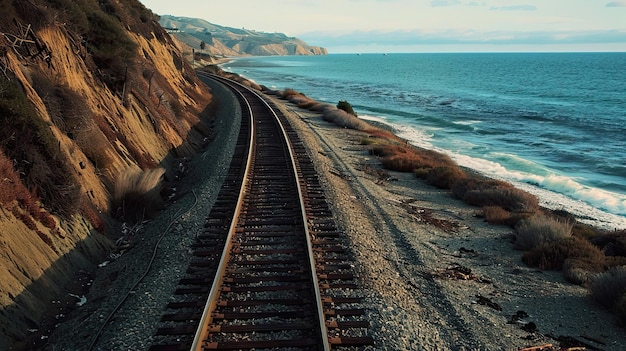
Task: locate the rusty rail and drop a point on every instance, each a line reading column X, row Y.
column 277, row 267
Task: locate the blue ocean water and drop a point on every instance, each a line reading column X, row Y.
column 552, row 123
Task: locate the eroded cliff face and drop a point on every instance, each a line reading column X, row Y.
column 77, row 114
column 227, row 41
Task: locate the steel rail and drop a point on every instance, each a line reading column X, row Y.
column 202, row 331
column 313, row 265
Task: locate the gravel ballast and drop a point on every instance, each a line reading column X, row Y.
column 451, row 284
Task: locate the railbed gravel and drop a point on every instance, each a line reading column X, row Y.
column 133, row 326
column 396, row 256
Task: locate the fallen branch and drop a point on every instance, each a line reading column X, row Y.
column 536, row 348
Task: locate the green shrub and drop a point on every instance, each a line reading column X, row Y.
column 30, row 144
column 609, row 287
column 344, row 105
column 344, row 119
column 99, row 23
column 538, row 230
column 110, row 46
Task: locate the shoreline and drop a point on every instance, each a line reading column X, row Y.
column 435, row 276
column 411, row 239
column 556, row 190
column 584, row 212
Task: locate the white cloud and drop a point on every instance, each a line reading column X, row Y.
column 464, row 37
column 514, row 8
column 446, row 3
column 616, row 4
column 443, row 3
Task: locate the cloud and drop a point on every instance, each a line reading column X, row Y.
column 443, row 3
column 464, row 37
column 447, row 3
column 514, row 8
column 616, row 4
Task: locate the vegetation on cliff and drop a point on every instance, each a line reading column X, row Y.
column 94, row 96
column 227, row 41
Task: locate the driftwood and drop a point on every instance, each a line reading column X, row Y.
column 26, row 44
column 4, row 64
column 425, row 215
column 537, row 348
column 458, row 272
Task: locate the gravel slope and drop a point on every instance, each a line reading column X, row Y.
column 435, row 276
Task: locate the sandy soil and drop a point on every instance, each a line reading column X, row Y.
column 435, row 276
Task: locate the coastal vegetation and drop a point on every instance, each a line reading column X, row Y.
column 95, row 101
column 550, row 240
column 346, row 106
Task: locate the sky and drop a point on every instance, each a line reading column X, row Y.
column 361, row 26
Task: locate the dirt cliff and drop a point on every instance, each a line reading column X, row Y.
column 216, row 40
column 93, row 96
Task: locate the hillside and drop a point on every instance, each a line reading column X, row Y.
column 223, row 41
column 97, row 105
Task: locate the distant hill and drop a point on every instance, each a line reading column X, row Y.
column 227, row 41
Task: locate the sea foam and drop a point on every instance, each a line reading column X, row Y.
column 593, row 206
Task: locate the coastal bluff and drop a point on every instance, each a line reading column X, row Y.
column 224, row 41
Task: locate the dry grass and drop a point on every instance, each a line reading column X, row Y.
column 488, row 192
column 609, row 288
column 511, row 199
column 289, row 93
column 496, row 214
column 29, row 142
column 11, row 187
column 445, row 177
column 612, row 243
column 551, row 255
column 344, row 119
column 538, row 230
column 382, row 135
column 401, row 162
column 13, row 192
column 136, row 195
column 436, row 168
column 582, row 270
column 92, row 215
column 329, row 112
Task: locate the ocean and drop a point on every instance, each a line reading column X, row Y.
column 553, row 124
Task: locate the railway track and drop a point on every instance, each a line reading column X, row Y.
column 270, row 270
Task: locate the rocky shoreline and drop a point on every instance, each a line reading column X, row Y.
column 436, row 277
